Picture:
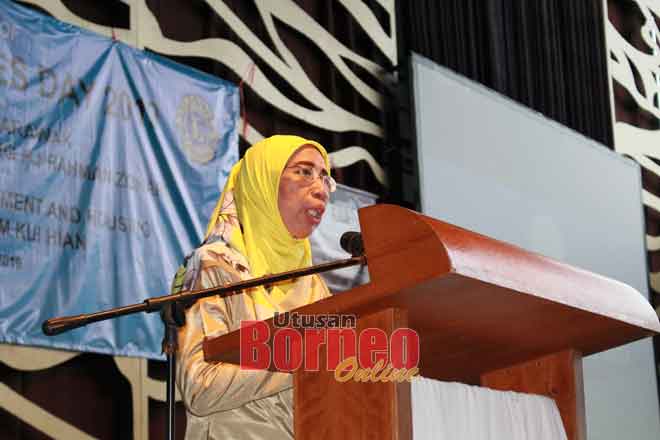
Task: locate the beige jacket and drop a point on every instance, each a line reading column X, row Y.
column 222, row 400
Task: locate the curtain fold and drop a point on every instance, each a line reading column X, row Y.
column 543, row 54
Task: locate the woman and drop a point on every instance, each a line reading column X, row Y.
column 273, row 200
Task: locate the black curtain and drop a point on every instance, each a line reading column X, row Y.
column 546, row 54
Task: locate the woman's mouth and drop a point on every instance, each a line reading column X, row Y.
column 315, row 214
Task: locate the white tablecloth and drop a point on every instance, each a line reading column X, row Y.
column 455, row 411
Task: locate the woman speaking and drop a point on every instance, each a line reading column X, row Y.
column 273, row 199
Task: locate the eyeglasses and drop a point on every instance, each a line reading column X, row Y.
column 309, row 174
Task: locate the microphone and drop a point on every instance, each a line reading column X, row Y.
column 351, row 242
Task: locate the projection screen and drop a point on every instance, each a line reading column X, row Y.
column 498, row 168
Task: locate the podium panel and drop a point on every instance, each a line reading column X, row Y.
column 326, row 409
column 486, row 312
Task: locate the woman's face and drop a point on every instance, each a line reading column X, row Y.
column 302, row 202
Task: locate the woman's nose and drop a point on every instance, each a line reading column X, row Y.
column 320, row 191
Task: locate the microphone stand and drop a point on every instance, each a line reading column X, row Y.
column 55, row 326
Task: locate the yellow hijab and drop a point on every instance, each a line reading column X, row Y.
column 254, row 180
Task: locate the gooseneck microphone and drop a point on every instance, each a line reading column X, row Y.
column 351, row 242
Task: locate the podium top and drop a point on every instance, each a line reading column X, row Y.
column 478, row 304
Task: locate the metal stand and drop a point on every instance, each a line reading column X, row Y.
column 171, row 397
column 173, row 317
column 171, row 309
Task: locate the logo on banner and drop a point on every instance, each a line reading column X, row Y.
column 194, row 122
column 369, row 355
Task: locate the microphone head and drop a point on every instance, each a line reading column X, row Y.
column 351, row 242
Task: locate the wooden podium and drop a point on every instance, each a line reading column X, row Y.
column 486, row 312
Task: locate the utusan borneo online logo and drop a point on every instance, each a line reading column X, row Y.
column 330, row 342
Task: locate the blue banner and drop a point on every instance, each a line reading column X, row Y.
column 111, row 160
